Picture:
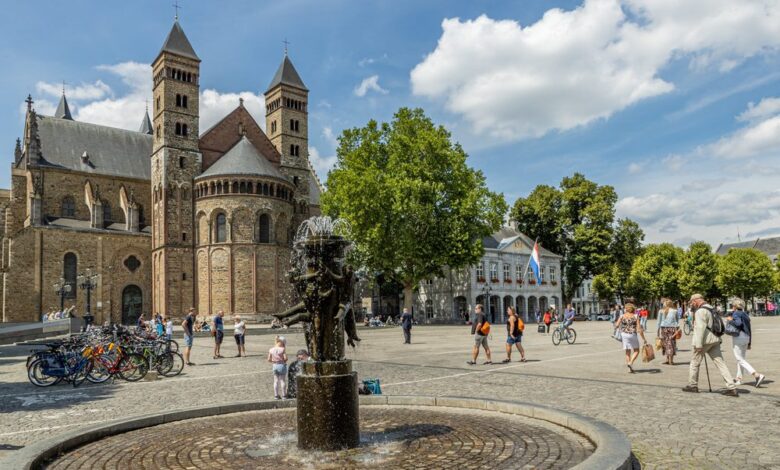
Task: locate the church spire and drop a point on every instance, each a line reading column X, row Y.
column 287, row 75
column 146, row 123
column 63, row 110
column 177, row 43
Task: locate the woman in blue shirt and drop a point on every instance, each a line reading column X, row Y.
column 738, row 327
column 667, row 329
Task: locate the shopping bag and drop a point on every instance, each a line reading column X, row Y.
column 541, row 328
column 647, row 353
column 658, row 344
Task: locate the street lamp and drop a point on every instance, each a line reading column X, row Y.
column 62, row 288
column 88, row 281
column 486, row 290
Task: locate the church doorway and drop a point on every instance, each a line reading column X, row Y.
column 132, row 304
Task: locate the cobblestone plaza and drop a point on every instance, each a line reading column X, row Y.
column 667, row 428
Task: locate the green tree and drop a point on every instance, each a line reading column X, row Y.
column 574, row 220
column 655, row 272
column 698, row 269
column 625, row 247
column 413, row 204
column 746, row 272
column 604, row 284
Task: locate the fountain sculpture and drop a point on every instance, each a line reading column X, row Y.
column 327, row 402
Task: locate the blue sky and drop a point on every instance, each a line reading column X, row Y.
column 676, row 104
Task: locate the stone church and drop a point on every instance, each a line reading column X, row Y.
column 166, row 218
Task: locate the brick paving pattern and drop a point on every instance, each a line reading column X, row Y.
column 392, row 437
column 667, row 428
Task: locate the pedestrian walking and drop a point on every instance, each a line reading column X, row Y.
column 514, row 331
column 480, row 329
column 738, row 327
column 141, row 324
column 277, row 356
column 406, row 326
column 189, row 335
column 630, row 330
column 294, row 370
column 643, row 313
column 239, row 333
column 668, row 326
column 159, row 327
column 707, row 341
column 218, row 332
column 168, row 328
column 547, row 320
column 538, row 316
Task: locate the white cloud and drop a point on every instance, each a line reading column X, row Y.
column 327, row 132
column 369, row 84
column 674, row 162
column 532, row 78
column 635, row 168
column 651, row 209
column 760, row 138
column 85, row 91
column 99, row 104
column 322, row 165
column 767, row 107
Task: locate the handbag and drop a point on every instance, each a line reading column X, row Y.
column 678, row 334
column 658, row 344
column 647, row 353
column 485, row 328
column 731, row 330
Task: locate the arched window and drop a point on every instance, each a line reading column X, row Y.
column 429, row 309
column 184, row 101
column 264, row 229
column 107, row 218
column 292, row 150
column 221, row 228
column 141, row 218
column 177, row 129
column 68, row 207
column 69, row 273
column 178, row 99
column 184, row 130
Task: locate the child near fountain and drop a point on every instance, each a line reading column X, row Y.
column 277, row 356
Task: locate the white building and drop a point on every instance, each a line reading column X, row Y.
column 496, row 282
column 585, row 300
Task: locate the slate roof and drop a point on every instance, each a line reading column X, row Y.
column 769, row 246
column 63, row 110
column 177, row 43
column 111, row 151
column 506, row 236
column 242, row 159
column 146, row 124
column 287, row 75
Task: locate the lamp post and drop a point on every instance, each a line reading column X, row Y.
column 486, row 290
column 88, row 281
column 62, row 288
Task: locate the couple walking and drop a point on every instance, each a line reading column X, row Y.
column 481, row 329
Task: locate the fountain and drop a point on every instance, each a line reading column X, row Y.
column 398, row 431
column 327, row 389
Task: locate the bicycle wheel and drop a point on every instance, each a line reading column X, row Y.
column 101, row 370
column 171, row 364
column 81, row 374
column 133, row 367
column 571, row 337
column 556, row 337
column 37, row 377
column 173, row 346
column 687, row 329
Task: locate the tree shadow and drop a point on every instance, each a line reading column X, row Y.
column 647, row 371
column 24, row 396
column 10, row 447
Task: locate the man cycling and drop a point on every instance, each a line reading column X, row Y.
column 568, row 317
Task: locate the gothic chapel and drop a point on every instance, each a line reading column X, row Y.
column 167, row 217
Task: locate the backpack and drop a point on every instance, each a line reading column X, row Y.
column 717, row 328
column 520, row 325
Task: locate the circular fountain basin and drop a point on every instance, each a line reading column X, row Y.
column 396, row 432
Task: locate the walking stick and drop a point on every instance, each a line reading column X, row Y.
column 707, row 369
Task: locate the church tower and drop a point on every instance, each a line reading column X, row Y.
column 176, row 160
column 287, row 125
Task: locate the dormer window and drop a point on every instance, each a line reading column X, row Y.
column 85, row 157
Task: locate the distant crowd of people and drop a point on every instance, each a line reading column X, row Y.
column 53, row 314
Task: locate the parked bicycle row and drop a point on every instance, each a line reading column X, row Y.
column 101, row 354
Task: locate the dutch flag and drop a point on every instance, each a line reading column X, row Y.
column 535, row 264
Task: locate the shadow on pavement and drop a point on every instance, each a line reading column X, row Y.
column 24, row 396
column 647, row 371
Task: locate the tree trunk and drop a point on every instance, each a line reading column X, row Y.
column 408, row 296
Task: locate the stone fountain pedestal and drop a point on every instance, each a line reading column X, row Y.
column 327, row 402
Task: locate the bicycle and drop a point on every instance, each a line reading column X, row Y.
column 562, row 333
column 52, row 367
column 688, row 326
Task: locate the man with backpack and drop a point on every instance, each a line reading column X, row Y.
column 480, row 329
column 708, row 327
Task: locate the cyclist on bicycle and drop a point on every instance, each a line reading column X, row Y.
column 568, row 317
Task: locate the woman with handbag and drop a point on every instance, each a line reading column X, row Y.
column 630, row 330
column 738, row 327
column 668, row 326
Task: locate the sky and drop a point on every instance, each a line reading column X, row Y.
column 675, row 104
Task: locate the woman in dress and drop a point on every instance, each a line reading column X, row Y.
column 630, row 330
column 667, row 329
